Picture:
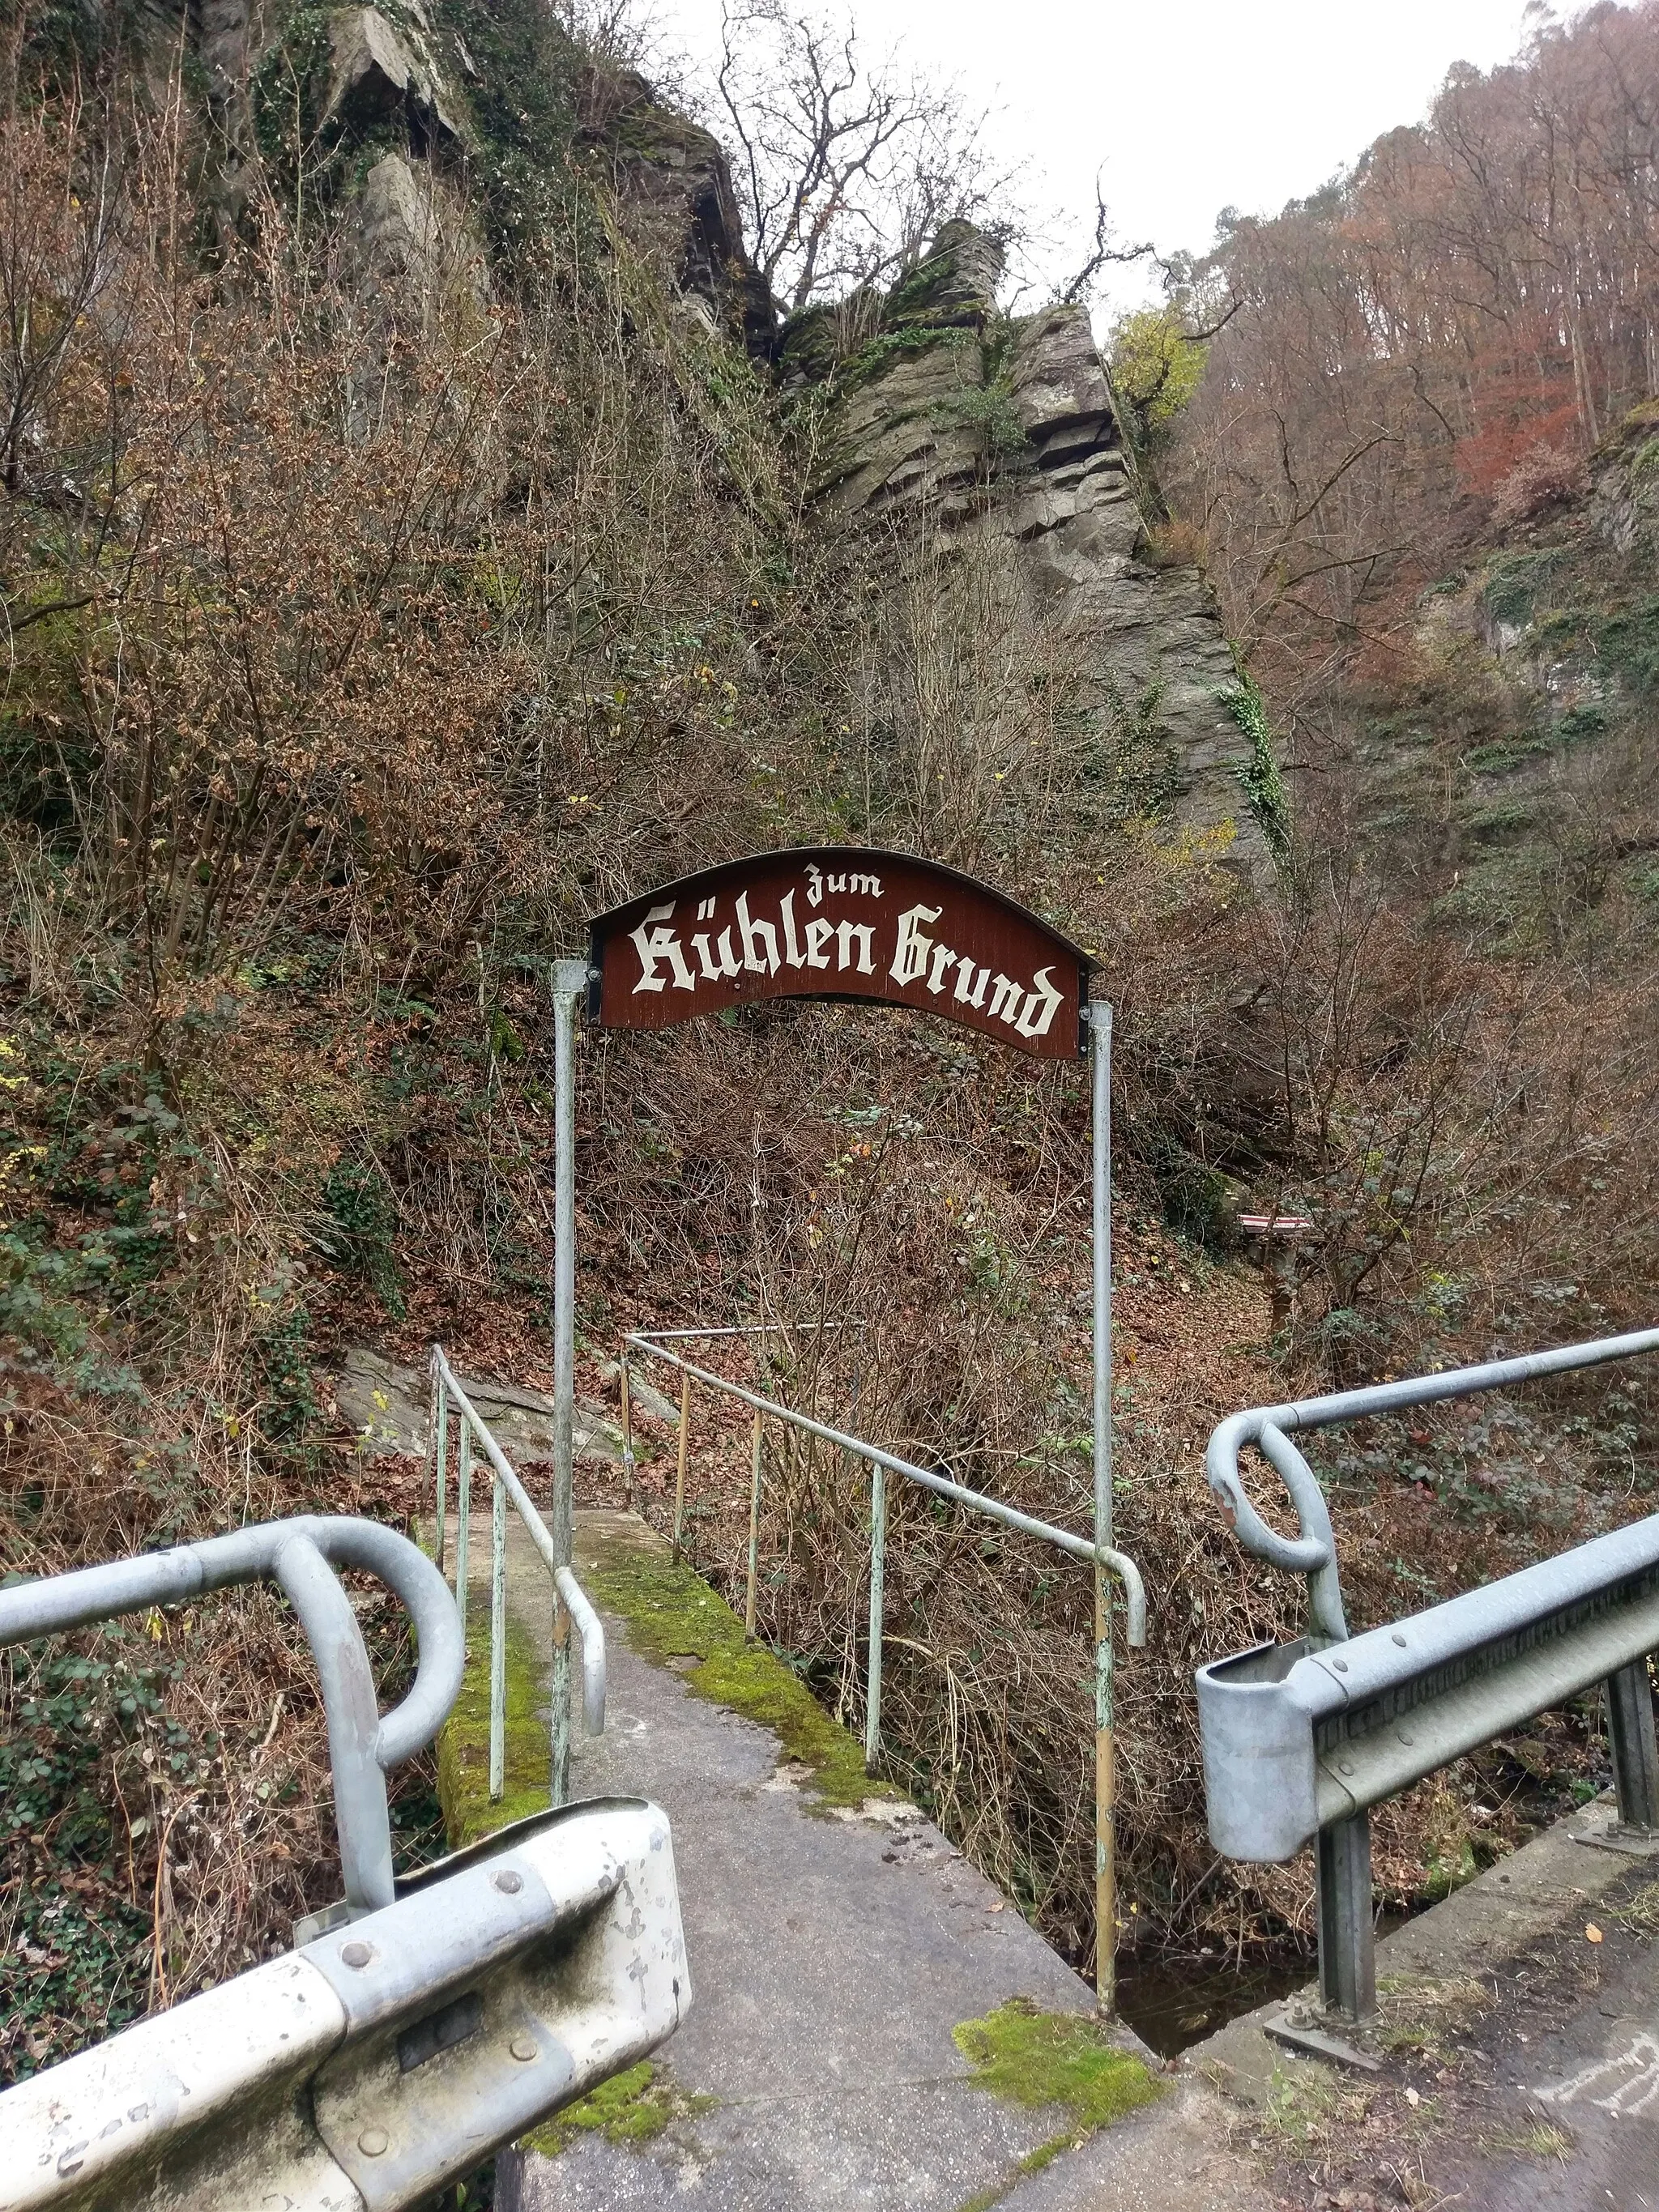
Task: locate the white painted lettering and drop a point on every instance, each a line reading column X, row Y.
column 943, row 958
column 910, row 956
column 869, row 886
column 656, row 945
column 1040, row 1006
column 846, row 931
column 818, row 934
column 755, row 934
column 728, row 960
column 791, row 951
column 814, row 884
column 1005, row 1000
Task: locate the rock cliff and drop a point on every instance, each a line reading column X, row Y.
column 1007, row 429
column 442, row 123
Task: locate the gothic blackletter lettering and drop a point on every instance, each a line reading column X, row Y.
column 656, row 945
column 910, row 956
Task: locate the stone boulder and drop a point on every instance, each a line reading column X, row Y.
column 674, row 188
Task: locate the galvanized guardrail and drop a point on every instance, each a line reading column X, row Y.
column 569, row 1601
column 299, row 1555
column 1104, row 1558
column 1300, row 1739
column 378, row 2064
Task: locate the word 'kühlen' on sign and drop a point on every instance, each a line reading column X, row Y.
column 754, row 946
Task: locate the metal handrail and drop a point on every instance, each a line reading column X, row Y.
column 299, row 1556
column 1079, row 1547
column 568, row 1592
column 1312, row 1551
column 1301, row 1740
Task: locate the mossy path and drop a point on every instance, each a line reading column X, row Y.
column 872, row 2025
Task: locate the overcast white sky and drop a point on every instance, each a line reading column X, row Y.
column 1185, row 105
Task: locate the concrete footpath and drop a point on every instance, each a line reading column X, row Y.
column 834, row 1948
column 837, row 1940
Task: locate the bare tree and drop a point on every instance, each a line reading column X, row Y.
column 844, row 167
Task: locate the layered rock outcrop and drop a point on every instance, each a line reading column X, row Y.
column 933, row 405
column 1007, row 428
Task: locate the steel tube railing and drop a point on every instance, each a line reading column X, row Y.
column 1312, row 1551
column 301, row 1556
column 1104, row 1558
column 570, row 1600
column 1079, row 1547
column 1300, row 1741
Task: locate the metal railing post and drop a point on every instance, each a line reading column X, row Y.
column 680, row 1472
column 1631, row 1741
column 498, row 1643
column 1347, row 1933
column 878, row 1600
column 463, row 1521
column 569, row 981
column 628, row 1434
column 1100, row 1071
column 754, row 1521
column 441, row 1427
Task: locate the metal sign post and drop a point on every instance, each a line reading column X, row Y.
column 847, row 923
column 569, row 983
column 1099, row 1017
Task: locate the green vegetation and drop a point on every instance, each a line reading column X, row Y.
column 1056, row 2058
column 630, row 2109
column 1258, row 772
column 1155, row 368
column 80, row 1937
column 1514, row 582
column 464, row 1746
column 673, row 1613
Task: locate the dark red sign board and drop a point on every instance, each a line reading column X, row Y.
column 838, row 921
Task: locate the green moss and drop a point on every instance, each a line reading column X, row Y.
column 1627, row 641
column 464, row 1744
column 877, row 356
column 673, row 1613
column 629, row 2109
column 1043, row 2058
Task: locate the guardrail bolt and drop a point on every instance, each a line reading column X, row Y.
column 524, row 2048
column 373, row 2143
column 507, row 1882
column 356, row 1955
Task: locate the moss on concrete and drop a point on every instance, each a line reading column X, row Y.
column 464, row 1742
column 629, row 2109
column 671, row 1613
column 1058, row 2058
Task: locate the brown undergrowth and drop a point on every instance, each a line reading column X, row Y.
column 357, row 650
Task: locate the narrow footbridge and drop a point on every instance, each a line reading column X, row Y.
column 688, row 1948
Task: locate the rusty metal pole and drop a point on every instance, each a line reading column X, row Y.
column 754, row 1521
column 679, row 1471
column 1100, row 1044
column 628, row 1436
column 569, row 981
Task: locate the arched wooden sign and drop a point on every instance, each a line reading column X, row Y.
column 839, row 922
